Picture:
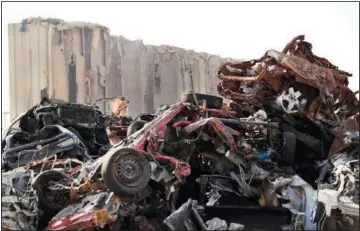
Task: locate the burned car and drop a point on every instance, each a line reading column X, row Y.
column 49, row 128
column 26, row 204
column 86, row 121
column 22, row 148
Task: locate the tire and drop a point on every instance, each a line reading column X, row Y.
column 38, row 185
column 212, row 101
column 135, row 126
column 289, row 147
column 113, row 171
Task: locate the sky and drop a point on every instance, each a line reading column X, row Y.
column 241, row 30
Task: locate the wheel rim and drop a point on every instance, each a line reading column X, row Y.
column 128, row 170
column 290, row 101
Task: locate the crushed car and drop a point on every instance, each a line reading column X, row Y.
column 22, row 148
column 86, row 122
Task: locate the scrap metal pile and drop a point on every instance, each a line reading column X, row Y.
column 283, row 154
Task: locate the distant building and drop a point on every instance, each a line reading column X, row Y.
column 83, row 62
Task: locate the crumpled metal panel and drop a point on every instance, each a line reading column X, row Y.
column 82, row 62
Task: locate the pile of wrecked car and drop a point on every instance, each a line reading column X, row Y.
column 282, row 155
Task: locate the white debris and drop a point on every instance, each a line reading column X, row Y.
column 330, row 199
column 236, row 226
column 216, row 224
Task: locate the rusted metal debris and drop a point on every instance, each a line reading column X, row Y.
column 295, row 80
column 199, row 164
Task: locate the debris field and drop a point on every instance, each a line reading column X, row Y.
column 283, row 154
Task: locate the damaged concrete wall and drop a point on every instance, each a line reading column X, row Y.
column 82, row 62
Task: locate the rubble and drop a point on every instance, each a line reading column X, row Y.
column 284, row 154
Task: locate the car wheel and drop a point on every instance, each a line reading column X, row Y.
column 126, row 172
column 50, row 201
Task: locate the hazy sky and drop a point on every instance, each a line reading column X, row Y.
column 238, row 30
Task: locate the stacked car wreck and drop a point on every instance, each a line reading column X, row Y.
column 283, row 154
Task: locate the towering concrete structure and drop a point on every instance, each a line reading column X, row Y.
column 82, row 62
